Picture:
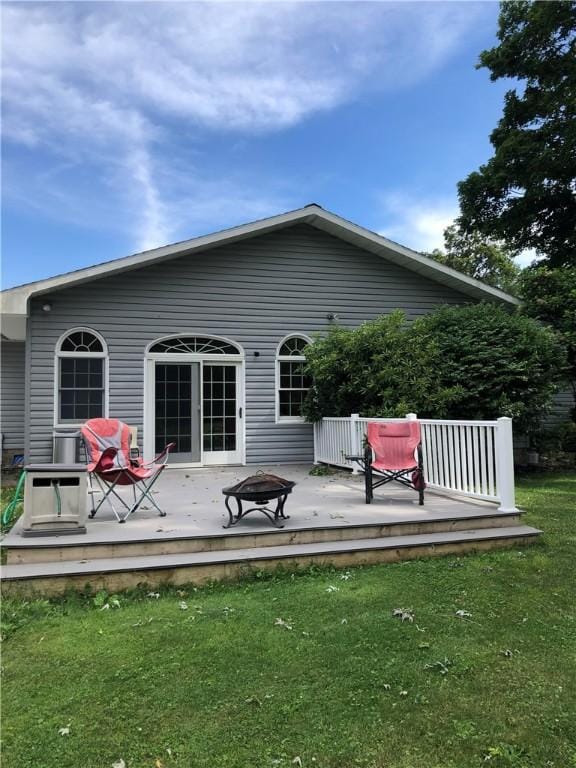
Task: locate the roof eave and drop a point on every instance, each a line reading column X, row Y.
column 410, row 259
column 15, row 300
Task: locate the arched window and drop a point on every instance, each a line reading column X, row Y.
column 82, row 359
column 291, row 381
column 197, row 345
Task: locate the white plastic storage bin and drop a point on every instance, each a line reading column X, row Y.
column 55, row 499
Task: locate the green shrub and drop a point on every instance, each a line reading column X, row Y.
column 504, row 364
column 472, row 362
column 386, row 367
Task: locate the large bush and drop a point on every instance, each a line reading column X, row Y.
column 473, row 362
column 385, row 367
column 504, row 364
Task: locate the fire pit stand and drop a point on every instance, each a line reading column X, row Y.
column 260, row 489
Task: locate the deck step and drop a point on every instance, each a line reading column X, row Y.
column 22, row 551
column 198, row 567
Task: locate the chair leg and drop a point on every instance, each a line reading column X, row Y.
column 420, row 476
column 145, row 494
column 368, row 483
column 107, row 490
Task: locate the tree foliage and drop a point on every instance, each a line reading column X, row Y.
column 384, row 367
column 526, row 193
column 474, row 362
column 480, row 257
column 502, row 363
column 550, row 296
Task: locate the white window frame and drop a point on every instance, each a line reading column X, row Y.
column 59, row 354
column 287, row 359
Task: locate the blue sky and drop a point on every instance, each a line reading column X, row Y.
column 129, row 125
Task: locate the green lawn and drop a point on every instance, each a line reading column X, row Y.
column 208, row 678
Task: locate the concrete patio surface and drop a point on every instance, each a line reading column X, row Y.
column 195, row 507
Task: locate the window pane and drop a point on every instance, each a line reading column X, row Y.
column 219, row 403
column 66, row 413
column 67, row 365
column 81, row 388
column 82, row 364
column 67, row 380
column 81, row 341
column 294, row 385
column 293, row 347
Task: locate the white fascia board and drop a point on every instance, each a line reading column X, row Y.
column 405, row 257
column 14, row 300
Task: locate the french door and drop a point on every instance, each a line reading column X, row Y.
column 198, row 406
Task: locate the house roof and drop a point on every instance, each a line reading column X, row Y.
column 15, row 300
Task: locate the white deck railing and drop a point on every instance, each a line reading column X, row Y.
column 472, row 458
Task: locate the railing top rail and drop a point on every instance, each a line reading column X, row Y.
column 336, row 418
column 459, row 423
column 446, row 422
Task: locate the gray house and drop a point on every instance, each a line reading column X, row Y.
column 201, row 342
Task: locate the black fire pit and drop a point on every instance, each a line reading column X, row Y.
column 259, row 489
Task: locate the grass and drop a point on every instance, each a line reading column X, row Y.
column 200, row 678
column 7, row 494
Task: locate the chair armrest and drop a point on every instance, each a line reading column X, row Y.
column 162, row 457
column 106, row 461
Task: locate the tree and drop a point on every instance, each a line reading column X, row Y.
column 526, row 193
column 550, row 296
column 480, row 257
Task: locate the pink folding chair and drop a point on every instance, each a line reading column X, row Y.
column 107, row 443
column 393, row 452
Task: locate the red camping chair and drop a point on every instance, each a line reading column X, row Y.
column 393, row 452
column 107, row 443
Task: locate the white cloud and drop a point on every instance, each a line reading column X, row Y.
column 417, row 224
column 119, row 87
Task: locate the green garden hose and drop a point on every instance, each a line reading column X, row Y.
column 8, row 513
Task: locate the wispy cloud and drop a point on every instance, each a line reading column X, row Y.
column 120, row 90
column 417, row 223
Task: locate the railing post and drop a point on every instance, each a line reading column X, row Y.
column 505, row 465
column 316, row 438
column 411, row 417
column 354, row 442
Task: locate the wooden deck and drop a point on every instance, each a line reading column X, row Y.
column 329, row 523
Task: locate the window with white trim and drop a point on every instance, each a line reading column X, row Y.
column 81, row 363
column 292, row 381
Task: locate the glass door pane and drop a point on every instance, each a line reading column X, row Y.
column 219, row 407
column 177, row 405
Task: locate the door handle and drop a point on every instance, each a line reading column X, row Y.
column 240, row 413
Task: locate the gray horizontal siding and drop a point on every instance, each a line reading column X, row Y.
column 12, row 396
column 254, row 292
column 562, row 407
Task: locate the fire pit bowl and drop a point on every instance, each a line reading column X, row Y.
column 260, row 489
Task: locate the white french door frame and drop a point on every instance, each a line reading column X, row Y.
column 207, row 458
